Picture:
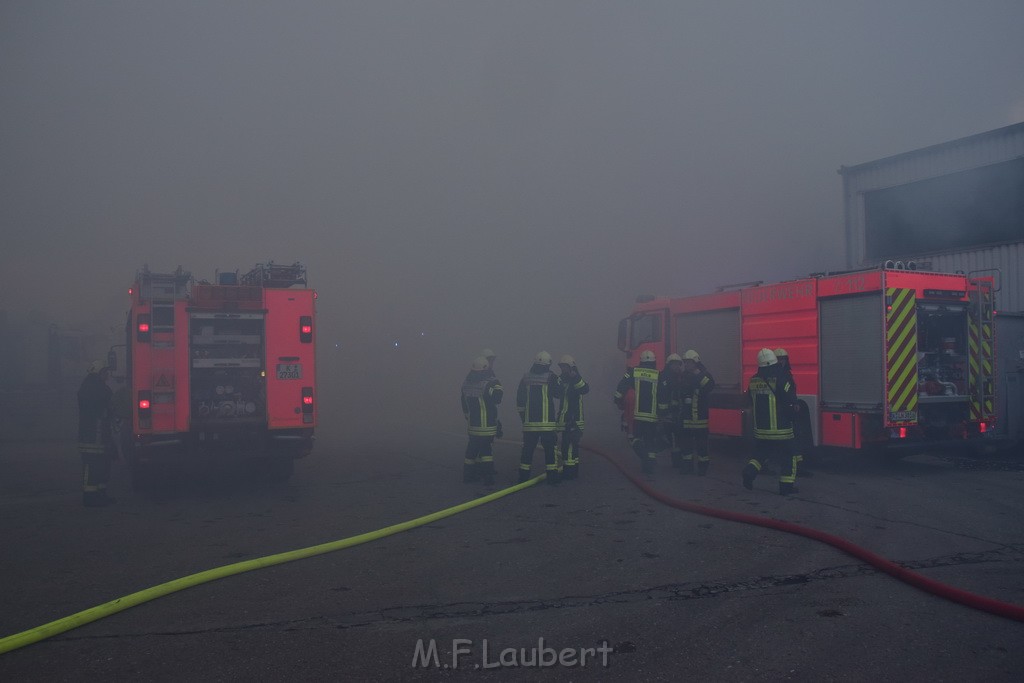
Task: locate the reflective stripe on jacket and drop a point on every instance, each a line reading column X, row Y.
column 481, row 394
column 535, row 400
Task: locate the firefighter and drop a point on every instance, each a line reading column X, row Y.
column 772, row 396
column 801, row 416
column 481, row 394
column 491, row 357
column 697, row 386
column 572, row 387
column 535, row 403
column 644, row 380
column 669, row 413
column 95, row 442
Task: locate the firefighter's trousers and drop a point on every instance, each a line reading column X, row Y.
column 646, row 437
column 479, row 462
column 782, row 452
column 694, row 444
column 547, row 440
column 95, row 475
column 570, row 452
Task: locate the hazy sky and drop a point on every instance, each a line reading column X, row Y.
column 505, row 174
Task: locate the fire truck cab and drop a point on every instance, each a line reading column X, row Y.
column 886, row 358
column 221, row 370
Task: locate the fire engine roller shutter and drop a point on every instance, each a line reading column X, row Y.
column 715, row 335
column 901, row 356
column 981, row 377
column 851, row 350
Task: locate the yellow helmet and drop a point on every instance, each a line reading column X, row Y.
column 673, row 358
column 480, row 363
column 488, row 354
column 781, row 353
column 647, row 357
column 766, row 357
column 692, row 355
column 567, row 360
column 542, row 358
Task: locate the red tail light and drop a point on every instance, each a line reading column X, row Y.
column 982, row 427
column 142, row 327
column 307, row 405
column 145, row 404
column 903, row 432
column 306, row 329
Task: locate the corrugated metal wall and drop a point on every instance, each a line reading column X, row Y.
column 1004, row 144
column 1006, row 258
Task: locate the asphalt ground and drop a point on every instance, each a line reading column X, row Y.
column 548, row 572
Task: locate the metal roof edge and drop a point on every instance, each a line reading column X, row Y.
column 998, row 132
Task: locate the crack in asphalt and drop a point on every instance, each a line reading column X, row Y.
column 691, row 590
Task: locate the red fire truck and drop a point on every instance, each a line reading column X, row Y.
column 221, row 370
column 889, row 357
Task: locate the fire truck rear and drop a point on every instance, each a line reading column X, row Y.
column 221, row 371
column 885, row 358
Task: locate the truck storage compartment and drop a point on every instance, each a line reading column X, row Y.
column 852, row 355
column 226, row 351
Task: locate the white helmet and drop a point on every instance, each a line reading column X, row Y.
column 647, row 357
column 567, row 360
column 96, row 366
column 542, row 358
column 480, row 363
column 673, row 358
column 692, row 355
column 781, row 353
column 766, row 357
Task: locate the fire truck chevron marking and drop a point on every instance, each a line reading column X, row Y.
column 901, row 356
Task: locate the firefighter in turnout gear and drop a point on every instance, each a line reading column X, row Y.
column 696, row 387
column 535, row 403
column 801, row 416
column 571, row 387
column 772, row 396
column 644, row 380
column 669, row 403
column 95, row 441
column 491, row 356
column 481, row 394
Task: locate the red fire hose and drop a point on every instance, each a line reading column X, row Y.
column 979, row 602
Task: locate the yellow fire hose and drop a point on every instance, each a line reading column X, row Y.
column 53, row 628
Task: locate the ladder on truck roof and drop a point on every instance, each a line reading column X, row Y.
column 272, row 275
column 163, row 287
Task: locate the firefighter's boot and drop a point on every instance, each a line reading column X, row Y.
column 524, row 475
column 554, row 477
column 569, row 472
column 687, row 464
column 677, row 460
column 470, row 472
column 749, row 474
column 487, row 473
column 787, row 488
column 702, row 467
